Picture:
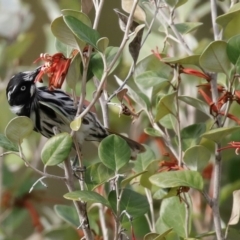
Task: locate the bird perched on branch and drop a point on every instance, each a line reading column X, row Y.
column 54, row 108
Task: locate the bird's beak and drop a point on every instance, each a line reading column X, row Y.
column 32, row 75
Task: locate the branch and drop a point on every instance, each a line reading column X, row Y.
column 79, row 205
column 33, row 168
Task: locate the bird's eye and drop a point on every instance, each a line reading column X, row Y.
column 23, row 88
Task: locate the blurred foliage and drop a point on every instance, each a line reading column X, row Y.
column 26, row 31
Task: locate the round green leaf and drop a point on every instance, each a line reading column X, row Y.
column 217, row 135
column 7, row 144
column 233, row 12
column 56, row 149
column 18, row 129
column 233, row 49
column 82, row 31
column 76, row 124
column 79, row 15
column 215, row 59
column 180, row 178
column 172, row 216
column 114, row 152
column 197, row 157
column 86, row 196
column 64, row 34
column 134, row 203
column 68, row 214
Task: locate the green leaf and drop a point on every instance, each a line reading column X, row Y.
column 74, row 74
column 233, row 49
column 191, row 135
column 149, row 69
column 180, row 178
column 18, row 129
column 187, row 27
column 61, row 31
column 7, row 144
column 114, row 152
column 144, row 159
column 190, row 60
column 127, row 180
column 134, row 203
column 151, row 169
column 62, row 232
column 78, row 15
column 82, row 31
column 68, row 214
column 156, row 236
column 224, row 19
column 217, row 135
column 97, row 174
column 97, row 62
column 214, row 58
column 150, row 236
column 166, row 193
column 149, row 79
column 86, row 196
column 166, row 106
column 63, row 48
column 102, row 44
column 197, row 103
column 197, row 157
column 76, row 124
column 152, row 132
column 56, row 149
column 173, row 215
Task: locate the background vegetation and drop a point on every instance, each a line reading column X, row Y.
column 182, row 103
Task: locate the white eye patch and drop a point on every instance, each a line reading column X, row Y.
column 10, row 92
column 32, row 90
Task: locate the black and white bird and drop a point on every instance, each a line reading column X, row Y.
column 54, row 108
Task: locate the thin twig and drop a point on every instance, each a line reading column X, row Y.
column 33, row 168
column 175, row 31
column 218, row 160
column 150, row 201
column 187, row 217
column 79, row 205
column 132, row 68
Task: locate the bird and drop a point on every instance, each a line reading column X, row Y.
column 49, row 109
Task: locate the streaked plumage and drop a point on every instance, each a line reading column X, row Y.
column 48, row 109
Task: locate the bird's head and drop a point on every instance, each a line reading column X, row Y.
column 21, row 88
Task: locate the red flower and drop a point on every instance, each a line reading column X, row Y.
column 56, row 67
